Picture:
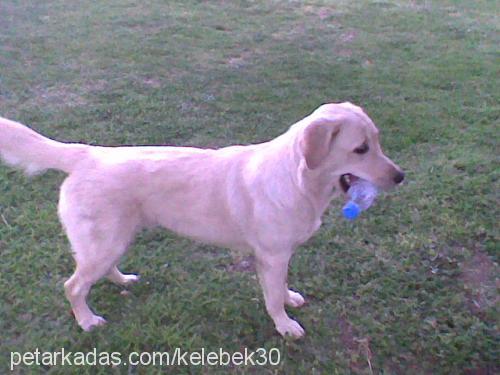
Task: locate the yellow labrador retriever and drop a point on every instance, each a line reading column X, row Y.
column 267, row 198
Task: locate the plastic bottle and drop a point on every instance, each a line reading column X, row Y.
column 362, row 193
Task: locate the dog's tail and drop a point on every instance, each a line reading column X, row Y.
column 26, row 149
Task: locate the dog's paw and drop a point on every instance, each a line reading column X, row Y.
column 90, row 323
column 294, row 299
column 130, row 279
column 290, row 328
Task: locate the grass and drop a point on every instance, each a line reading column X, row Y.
column 410, row 288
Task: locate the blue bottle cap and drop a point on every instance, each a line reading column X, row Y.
column 351, row 211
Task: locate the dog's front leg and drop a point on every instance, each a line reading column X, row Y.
column 272, row 271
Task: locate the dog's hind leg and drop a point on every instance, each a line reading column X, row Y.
column 119, row 278
column 77, row 289
column 99, row 237
column 293, row 298
column 96, row 256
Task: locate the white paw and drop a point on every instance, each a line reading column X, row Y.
column 90, row 323
column 294, row 299
column 130, row 279
column 290, row 328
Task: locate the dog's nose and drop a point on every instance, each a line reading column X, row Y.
column 399, row 177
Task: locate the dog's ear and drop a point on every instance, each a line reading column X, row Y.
column 317, row 139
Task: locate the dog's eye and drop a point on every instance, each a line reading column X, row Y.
column 363, row 149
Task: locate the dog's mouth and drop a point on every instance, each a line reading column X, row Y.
column 346, row 180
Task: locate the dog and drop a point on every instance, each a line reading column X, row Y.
column 267, row 198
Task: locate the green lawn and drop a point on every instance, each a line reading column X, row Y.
column 409, row 288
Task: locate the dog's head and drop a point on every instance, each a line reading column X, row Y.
column 340, row 140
